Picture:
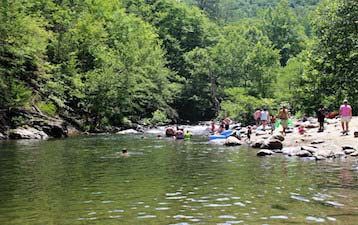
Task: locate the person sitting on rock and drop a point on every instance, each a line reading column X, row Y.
column 234, row 134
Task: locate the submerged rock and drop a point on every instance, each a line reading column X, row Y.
column 257, row 144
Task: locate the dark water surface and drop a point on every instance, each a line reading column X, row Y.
column 85, row 180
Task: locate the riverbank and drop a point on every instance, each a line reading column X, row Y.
column 327, row 144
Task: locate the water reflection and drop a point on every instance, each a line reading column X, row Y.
column 84, row 180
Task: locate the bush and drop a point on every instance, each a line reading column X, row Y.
column 159, row 118
column 47, row 107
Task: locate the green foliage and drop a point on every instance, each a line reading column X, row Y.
column 284, row 30
column 47, row 107
column 240, row 106
column 159, row 118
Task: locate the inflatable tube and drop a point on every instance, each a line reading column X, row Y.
column 226, row 133
column 214, row 137
column 223, row 135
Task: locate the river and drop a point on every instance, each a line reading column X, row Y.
column 86, row 180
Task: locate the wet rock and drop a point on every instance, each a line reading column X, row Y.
column 257, row 144
column 326, row 153
column 309, row 149
column 345, row 147
column 355, row 133
column 264, row 152
column 339, row 154
column 319, row 157
column 317, row 142
column 128, row 131
column 354, row 154
column 272, row 144
column 277, row 150
column 290, row 151
column 2, row 136
column 304, row 153
column 349, row 151
column 279, row 137
column 232, row 141
column 27, row 133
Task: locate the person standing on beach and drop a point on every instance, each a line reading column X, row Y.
column 283, row 116
column 257, row 116
column 263, row 118
column 321, row 114
column 345, row 111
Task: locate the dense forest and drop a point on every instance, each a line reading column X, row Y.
column 116, row 62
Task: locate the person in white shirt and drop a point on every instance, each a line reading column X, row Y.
column 264, row 117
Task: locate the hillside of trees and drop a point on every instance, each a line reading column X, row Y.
column 114, row 62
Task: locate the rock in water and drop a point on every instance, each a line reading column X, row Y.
column 27, row 133
column 272, row 144
column 312, row 150
column 304, row 153
column 264, row 152
column 232, row 141
column 257, row 144
column 128, row 131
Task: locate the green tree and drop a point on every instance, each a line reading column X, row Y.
column 283, row 29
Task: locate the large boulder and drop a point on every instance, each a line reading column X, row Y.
column 272, row 144
column 27, row 133
column 232, row 141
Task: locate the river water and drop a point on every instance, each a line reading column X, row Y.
column 86, row 180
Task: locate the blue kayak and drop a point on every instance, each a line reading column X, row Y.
column 223, row 135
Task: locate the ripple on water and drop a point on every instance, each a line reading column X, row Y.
column 162, row 208
column 116, row 211
column 227, row 217
column 300, row 198
column 279, row 217
column 334, row 203
column 147, row 217
column 316, row 219
column 240, row 204
column 218, row 205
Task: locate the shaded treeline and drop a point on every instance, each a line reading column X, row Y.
column 111, row 62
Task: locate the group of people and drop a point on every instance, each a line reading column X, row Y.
column 178, row 133
column 224, row 125
column 263, row 117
